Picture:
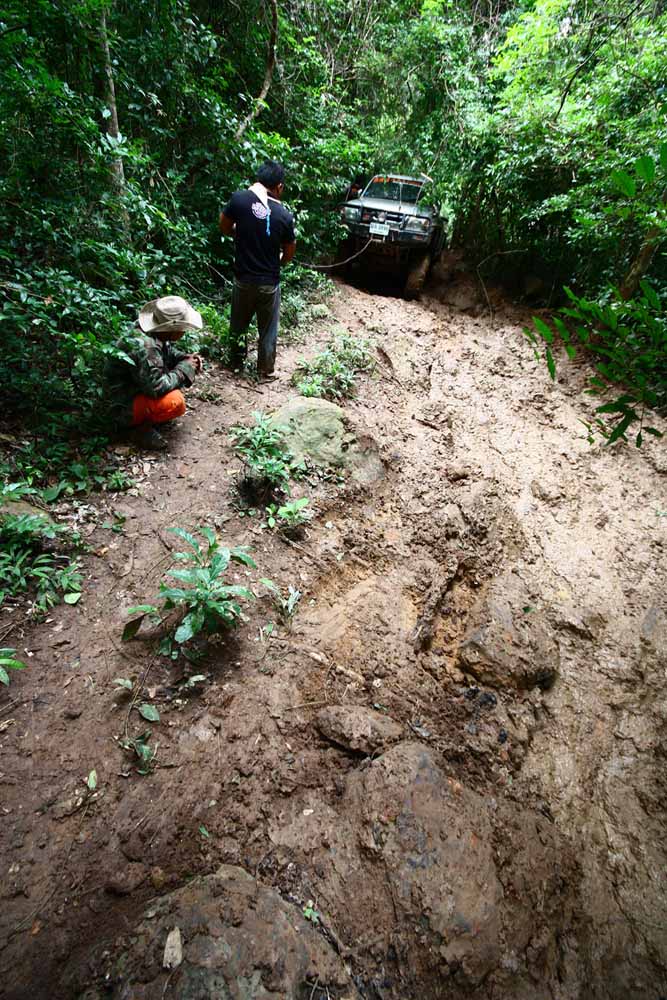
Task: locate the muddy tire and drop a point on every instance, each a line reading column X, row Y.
column 417, row 276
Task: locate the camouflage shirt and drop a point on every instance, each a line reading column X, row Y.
column 149, row 367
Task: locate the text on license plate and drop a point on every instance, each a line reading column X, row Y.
column 379, row 229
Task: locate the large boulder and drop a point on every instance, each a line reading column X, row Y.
column 321, row 432
column 224, row 937
column 19, row 508
column 509, row 642
column 423, row 877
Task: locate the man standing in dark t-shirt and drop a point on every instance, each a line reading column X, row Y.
column 264, row 241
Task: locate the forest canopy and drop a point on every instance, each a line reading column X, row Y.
column 124, row 128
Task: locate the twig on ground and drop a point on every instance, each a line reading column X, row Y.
column 306, row 704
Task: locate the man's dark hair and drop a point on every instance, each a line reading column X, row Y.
column 270, row 174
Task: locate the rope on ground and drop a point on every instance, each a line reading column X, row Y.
column 340, row 263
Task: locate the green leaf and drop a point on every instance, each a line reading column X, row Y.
column 72, row 598
column 123, row 682
column 663, row 156
column 624, row 183
column 551, row 364
column 241, row 556
column 149, row 712
column 187, row 537
column 4, row 677
column 209, row 534
column 142, row 609
column 645, row 168
column 204, row 832
column 191, row 625
column 91, row 781
column 544, row 331
column 620, row 428
column 10, row 664
column 53, row 492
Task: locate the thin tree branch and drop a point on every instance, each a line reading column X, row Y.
column 268, row 75
column 584, row 62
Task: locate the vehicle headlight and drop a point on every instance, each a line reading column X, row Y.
column 416, row 225
column 351, row 213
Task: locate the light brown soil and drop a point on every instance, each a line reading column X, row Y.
column 535, row 807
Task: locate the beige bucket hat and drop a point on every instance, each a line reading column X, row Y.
column 169, row 313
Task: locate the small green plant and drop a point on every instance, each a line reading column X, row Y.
column 141, row 748
column 117, row 525
column 285, row 604
column 8, row 661
column 310, row 913
column 26, row 567
column 207, row 604
column 268, row 463
column 332, row 373
column 290, row 518
column 629, row 339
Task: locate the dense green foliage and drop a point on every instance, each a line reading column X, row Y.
column 331, row 374
column 124, row 128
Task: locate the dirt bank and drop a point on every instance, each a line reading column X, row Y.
column 496, row 601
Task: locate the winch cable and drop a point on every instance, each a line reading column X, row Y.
column 340, row 263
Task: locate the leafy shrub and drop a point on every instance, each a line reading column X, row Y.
column 213, row 340
column 630, row 340
column 332, row 373
column 268, row 463
column 207, row 603
column 63, row 466
column 25, row 567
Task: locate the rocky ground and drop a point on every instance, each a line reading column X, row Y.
column 446, row 780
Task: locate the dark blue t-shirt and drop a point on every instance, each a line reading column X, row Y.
column 258, row 237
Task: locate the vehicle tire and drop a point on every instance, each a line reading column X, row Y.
column 417, row 276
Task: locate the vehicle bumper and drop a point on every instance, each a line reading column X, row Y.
column 396, row 238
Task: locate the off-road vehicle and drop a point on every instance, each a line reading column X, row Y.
column 406, row 233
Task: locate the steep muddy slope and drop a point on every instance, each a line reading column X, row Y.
column 446, row 781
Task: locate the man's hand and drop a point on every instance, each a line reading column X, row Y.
column 226, row 225
column 288, row 251
column 194, row 360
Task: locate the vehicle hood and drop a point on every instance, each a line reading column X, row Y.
column 388, row 205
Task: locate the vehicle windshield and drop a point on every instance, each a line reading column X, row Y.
column 393, row 189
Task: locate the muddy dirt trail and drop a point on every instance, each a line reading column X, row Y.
column 447, row 780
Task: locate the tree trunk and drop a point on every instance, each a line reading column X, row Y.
column 641, row 263
column 268, row 75
column 117, row 171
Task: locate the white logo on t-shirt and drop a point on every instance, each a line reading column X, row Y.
column 258, row 210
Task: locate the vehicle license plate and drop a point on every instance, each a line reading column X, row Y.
column 379, row 229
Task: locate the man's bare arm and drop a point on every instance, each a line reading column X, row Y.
column 288, row 251
column 226, row 225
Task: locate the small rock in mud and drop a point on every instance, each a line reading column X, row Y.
column 457, row 472
column 509, row 643
column 126, row 879
column 359, row 729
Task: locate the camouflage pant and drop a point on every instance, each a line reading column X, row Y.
column 262, row 301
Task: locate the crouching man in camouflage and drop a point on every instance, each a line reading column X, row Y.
column 144, row 387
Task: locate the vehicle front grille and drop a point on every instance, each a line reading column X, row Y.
column 393, row 219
